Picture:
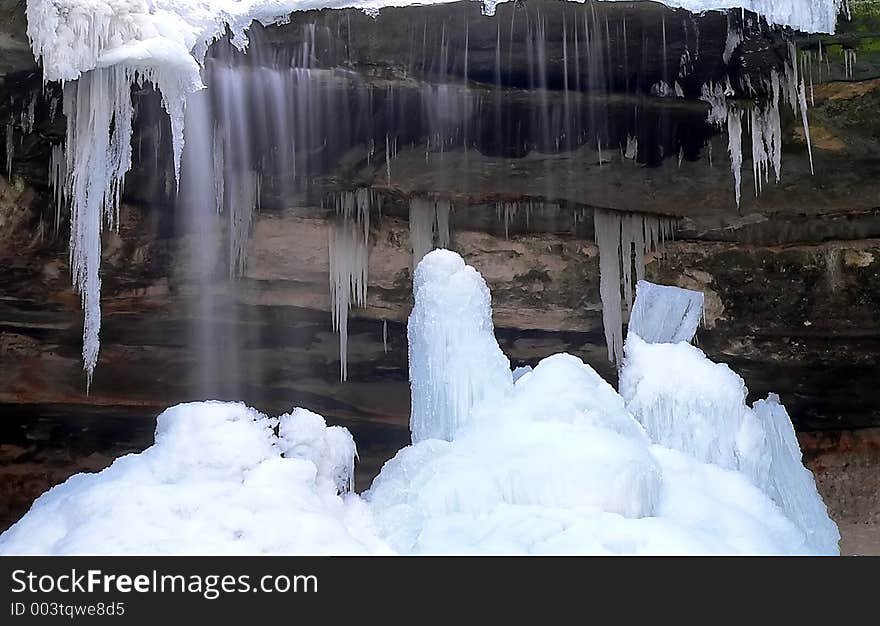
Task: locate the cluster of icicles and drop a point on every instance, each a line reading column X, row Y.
column 87, row 173
column 625, row 241
column 763, row 118
column 349, row 251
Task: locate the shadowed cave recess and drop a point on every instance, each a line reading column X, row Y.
column 729, row 155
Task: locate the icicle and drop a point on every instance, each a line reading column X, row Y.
column 714, row 94
column 428, row 225
column 57, row 180
column 98, row 155
column 734, row 39
column 30, row 115
column 632, row 148
column 607, row 227
column 734, row 148
column 505, row 212
column 348, row 281
column 349, row 263
column 385, row 336
column 624, row 240
column 849, row 62
column 803, row 103
column 10, row 148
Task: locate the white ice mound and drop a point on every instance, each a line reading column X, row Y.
column 454, row 359
column 559, row 464
column 690, row 404
column 561, row 467
column 560, row 447
column 305, row 435
column 216, row 481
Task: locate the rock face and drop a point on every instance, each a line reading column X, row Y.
column 442, row 102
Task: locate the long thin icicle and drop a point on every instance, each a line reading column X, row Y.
column 99, row 115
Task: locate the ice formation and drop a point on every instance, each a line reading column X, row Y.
column 10, row 148
column 689, row 404
column 57, row 176
column 663, row 314
column 734, row 148
column 109, row 47
column 560, row 463
column 349, row 261
column 454, row 360
column 217, row 480
column 763, row 118
column 624, row 240
column 850, row 56
column 555, row 463
column 99, row 51
column 788, row 482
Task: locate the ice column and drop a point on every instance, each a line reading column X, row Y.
column 454, row 360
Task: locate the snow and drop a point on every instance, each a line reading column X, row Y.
column 217, row 480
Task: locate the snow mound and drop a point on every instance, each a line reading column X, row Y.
column 216, row 481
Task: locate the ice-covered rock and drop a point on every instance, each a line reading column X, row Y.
column 664, row 314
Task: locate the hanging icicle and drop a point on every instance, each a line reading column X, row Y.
column 624, row 240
